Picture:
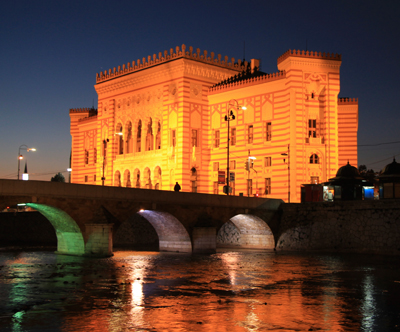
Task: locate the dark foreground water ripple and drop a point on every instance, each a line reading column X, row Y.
column 228, row 291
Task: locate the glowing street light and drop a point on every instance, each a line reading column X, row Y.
column 232, row 105
column 20, row 156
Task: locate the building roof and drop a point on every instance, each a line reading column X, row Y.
column 391, row 170
column 246, row 74
column 348, row 174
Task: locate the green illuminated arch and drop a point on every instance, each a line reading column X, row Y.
column 69, row 236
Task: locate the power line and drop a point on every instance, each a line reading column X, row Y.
column 378, row 144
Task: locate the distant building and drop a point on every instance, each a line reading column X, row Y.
column 163, row 119
column 389, row 181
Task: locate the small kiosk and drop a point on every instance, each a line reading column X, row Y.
column 389, row 181
column 347, row 185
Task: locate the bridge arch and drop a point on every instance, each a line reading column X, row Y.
column 246, row 231
column 172, row 235
column 69, row 236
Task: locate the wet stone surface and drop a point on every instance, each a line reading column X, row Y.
column 227, row 291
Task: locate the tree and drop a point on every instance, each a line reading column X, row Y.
column 58, row 178
column 368, row 174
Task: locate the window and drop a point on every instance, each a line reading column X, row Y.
column 233, row 136
column 94, row 155
column 119, row 139
column 86, row 178
column 120, row 143
column 86, row 157
column 267, row 186
column 216, row 166
column 314, row 179
column 268, row 131
column 149, row 136
column 314, row 159
column 232, row 164
column 250, row 134
column 173, row 138
column 194, row 138
column 139, row 137
column 216, row 188
column 312, row 128
column 158, row 137
column 216, row 139
column 94, row 178
column 249, row 187
column 267, row 161
column 128, row 145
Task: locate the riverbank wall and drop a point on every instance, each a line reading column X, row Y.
column 349, row 226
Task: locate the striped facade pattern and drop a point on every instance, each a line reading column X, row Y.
column 294, row 126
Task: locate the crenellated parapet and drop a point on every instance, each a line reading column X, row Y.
column 91, row 112
column 179, row 52
column 83, row 110
column 309, row 54
column 348, row 101
column 236, row 82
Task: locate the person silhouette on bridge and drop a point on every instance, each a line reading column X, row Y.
column 177, row 187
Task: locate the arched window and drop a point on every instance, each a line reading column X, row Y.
column 158, row 136
column 120, row 139
column 147, row 178
column 137, row 178
column 149, row 136
column 157, row 178
column 127, row 178
column 314, row 159
column 139, row 136
column 128, row 138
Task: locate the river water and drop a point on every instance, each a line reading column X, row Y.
column 231, row 291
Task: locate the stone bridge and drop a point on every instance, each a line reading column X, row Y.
column 87, row 218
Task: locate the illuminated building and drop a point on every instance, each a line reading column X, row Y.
column 161, row 120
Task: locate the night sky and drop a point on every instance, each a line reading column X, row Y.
column 50, row 52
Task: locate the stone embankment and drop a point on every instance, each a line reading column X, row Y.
column 352, row 226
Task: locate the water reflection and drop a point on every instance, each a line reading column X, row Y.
column 229, row 291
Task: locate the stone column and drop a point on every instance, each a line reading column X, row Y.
column 204, row 239
column 99, row 240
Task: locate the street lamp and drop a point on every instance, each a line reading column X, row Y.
column 232, row 105
column 105, row 141
column 20, row 156
column 288, row 157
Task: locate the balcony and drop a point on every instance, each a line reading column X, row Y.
column 315, row 140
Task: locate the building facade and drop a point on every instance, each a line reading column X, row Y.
column 164, row 119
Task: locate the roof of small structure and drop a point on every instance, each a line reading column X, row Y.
column 391, row 170
column 348, row 174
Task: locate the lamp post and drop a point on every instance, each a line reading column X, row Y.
column 288, row 157
column 20, row 156
column 232, row 105
column 105, row 141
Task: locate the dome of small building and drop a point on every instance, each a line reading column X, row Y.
column 348, row 171
column 391, row 169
